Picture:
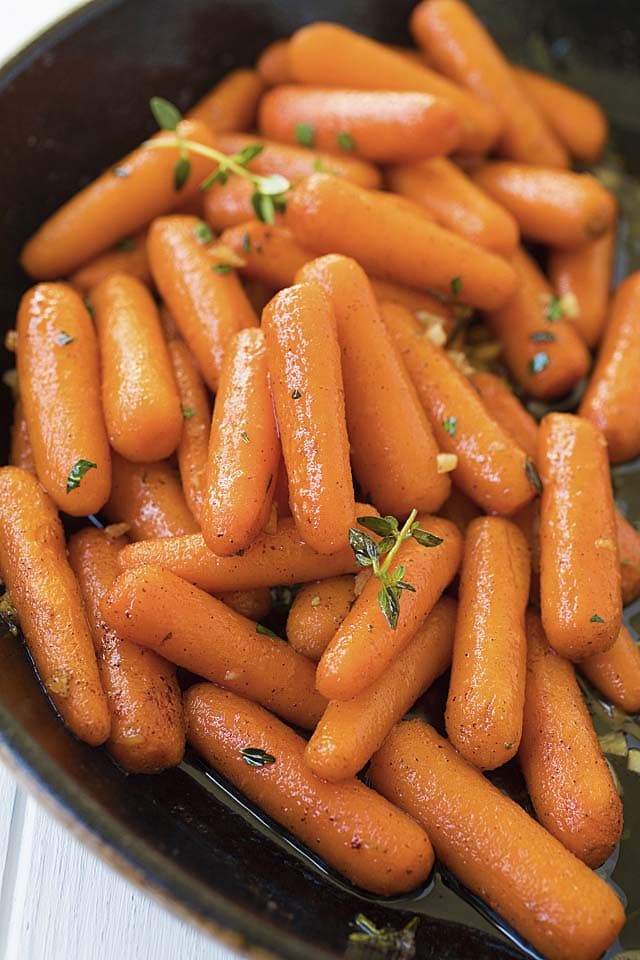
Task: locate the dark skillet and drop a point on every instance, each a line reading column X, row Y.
column 71, row 103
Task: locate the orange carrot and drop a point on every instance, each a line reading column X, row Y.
column 351, row 731
column 270, row 252
column 21, row 451
column 429, row 310
column 629, row 550
column 273, row 63
column 225, row 206
column 616, row 672
column 253, row 604
column 495, row 848
column 196, row 415
column 232, row 103
column 128, row 256
column 459, row 509
column 59, row 375
column 45, row 594
column 506, row 409
column 580, row 590
column 149, row 499
column 585, row 272
column 316, row 613
column 351, row 827
column 208, row 303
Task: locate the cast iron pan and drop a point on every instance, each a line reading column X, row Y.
column 70, row 104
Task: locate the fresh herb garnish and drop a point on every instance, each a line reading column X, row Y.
column 532, row 474
column 542, row 336
column 64, row 338
column 321, row 167
column 305, row 134
column 538, row 363
column 126, row 245
column 450, row 425
column 385, row 940
column 456, row 286
column 78, row 471
column 553, row 311
column 265, row 631
column 246, row 243
column 203, row 232
column 245, row 436
column 90, row 307
column 255, row 757
column 188, row 412
column 296, row 395
column 596, row 618
column 181, row 172
column 166, row 115
column 345, row 141
column 222, row 268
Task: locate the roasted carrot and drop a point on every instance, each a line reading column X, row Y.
column 457, row 203
column 559, row 906
column 610, row 400
column 459, row 509
column 139, row 395
column 629, row 551
column 401, row 472
column 59, row 374
column 154, row 608
column 585, row 273
column 273, row 63
column 544, row 352
column 208, row 303
column 351, row 731
column 128, row 256
column 490, row 466
column 457, row 43
column 232, row 103
column 225, row 206
column 330, row 215
column 365, row 644
column 580, row 592
column 145, row 703
column 149, row 499
column 616, row 672
column 350, row 826
column 429, row 310
column 270, row 253
column 327, row 53
column 21, row 454
column 44, row 591
column 123, row 200
column 253, row 604
column 316, row 613
column 196, row 415
column 567, row 777
column 557, row 207
column 303, row 356
column 506, row 409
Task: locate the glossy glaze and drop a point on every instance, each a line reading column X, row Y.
column 616, row 672
column 586, row 272
column 317, row 611
column 196, row 413
column 270, row 253
column 148, row 497
column 231, row 104
column 133, row 261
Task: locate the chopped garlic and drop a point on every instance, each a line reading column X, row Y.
column 446, row 462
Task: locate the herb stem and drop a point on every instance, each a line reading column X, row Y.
column 404, row 534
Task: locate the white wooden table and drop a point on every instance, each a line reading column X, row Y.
column 58, row 901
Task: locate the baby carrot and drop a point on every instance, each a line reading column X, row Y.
column 196, row 414
column 457, row 43
column 366, row 644
column 567, row 777
column 557, row 207
column 208, row 303
column 253, row 604
column 629, row 550
column 316, row 613
column 149, row 499
column 44, row 591
column 128, row 256
column 303, row 355
column 244, row 449
column 545, row 354
column 147, row 726
column 232, row 103
column 273, row 63
column 505, row 408
column 457, row 203
column 491, row 468
column 577, row 121
column 611, row 400
column 225, row 206
column 616, row 672
column 154, row 608
column 401, row 472
column 330, row 215
column 327, row 53
column 270, row 253
column 350, row 826
column 123, row 200
column 21, row 451
column 351, row 731
column 553, row 900
column 59, row 374
column 429, row 310
column 585, row 272
column 139, row 396
column 580, row 593
column 459, row 509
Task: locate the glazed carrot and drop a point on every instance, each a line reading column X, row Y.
column 394, row 457
column 616, row 672
column 490, row 466
column 351, row 731
column 457, row 203
column 567, row 777
column 382, row 126
column 147, row 725
column 486, row 693
column 158, row 610
column 278, row 558
column 225, row 206
column 329, row 215
column 506, row 409
column 586, row 272
column 365, row 644
column 577, row 121
column 44, row 591
column 273, row 63
column 629, row 551
column 209, row 306
column 244, row 449
column 457, row 43
column 303, row 355
column 545, row 356
column 316, row 613
column 232, row 103
column 327, row 53
column 128, row 256
column 558, row 207
column 139, row 395
column 196, row 415
column 253, row 604
column 580, row 589
column 270, row 252
column 350, row 826
column 610, row 401
column 148, row 497
column 21, row 451
column 552, row 899
column 123, row 200
column 459, row 509
column 428, row 309
column 59, row 375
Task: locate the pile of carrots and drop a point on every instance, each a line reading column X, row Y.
column 325, row 288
